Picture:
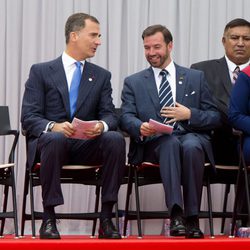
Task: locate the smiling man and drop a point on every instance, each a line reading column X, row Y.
column 55, row 93
column 167, row 92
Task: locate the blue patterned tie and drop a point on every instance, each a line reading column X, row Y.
column 73, row 92
column 165, row 92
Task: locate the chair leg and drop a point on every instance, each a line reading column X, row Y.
column 227, row 191
column 5, row 200
column 210, row 208
column 97, row 198
column 32, row 208
column 238, row 182
column 137, row 199
column 25, row 193
column 14, row 202
column 247, row 192
column 129, row 191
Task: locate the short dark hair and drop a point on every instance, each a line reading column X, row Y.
column 151, row 30
column 76, row 22
column 236, row 23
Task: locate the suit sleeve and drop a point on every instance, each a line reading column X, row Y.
column 32, row 116
column 204, row 115
column 129, row 121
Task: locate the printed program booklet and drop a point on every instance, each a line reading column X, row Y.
column 81, row 126
column 161, row 127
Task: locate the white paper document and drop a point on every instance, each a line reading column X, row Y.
column 161, row 127
column 80, row 126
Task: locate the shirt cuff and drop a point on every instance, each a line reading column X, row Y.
column 105, row 125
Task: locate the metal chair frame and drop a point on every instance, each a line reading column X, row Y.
column 7, row 173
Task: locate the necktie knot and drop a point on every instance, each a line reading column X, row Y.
column 78, row 64
column 237, row 69
column 164, row 73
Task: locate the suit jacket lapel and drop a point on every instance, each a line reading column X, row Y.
column 223, row 72
column 181, row 80
column 89, row 78
column 60, row 81
column 150, row 84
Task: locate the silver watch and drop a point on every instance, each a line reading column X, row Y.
column 51, row 125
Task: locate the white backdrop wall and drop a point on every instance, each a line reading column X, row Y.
column 32, row 31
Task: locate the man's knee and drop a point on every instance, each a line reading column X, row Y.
column 53, row 140
column 114, row 140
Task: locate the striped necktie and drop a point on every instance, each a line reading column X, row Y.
column 165, row 92
column 235, row 74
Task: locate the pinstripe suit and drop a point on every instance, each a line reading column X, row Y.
column 45, row 99
column 181, row 155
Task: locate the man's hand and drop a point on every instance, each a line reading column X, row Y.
column 65, row 127
column 68, row 130
column 94, row 132
column 177, row 113
column 146, row 129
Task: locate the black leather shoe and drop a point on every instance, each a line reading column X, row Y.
column 177, row 227
column 48, row 230
column 194, row 233
column 192, row 228
column 107, row 230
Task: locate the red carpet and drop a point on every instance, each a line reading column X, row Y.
column 148, row 242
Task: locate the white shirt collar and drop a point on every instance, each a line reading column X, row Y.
column 232, row 66
column 69, row 61
column 170, row 69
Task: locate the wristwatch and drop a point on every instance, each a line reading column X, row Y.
column 50, row 127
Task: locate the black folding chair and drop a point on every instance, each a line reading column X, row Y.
column 7, row 174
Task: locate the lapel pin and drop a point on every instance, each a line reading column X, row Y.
column 90, row 79
column 181, row 79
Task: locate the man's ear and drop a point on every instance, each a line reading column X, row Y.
column 73, row 36
column 223, row 39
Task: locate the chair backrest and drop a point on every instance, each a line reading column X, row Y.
column 4, row 119
column 5, row 129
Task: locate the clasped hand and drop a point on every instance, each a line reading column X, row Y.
column 177, row 113
column 68, row 130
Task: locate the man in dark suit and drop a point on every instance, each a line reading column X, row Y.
column 219, row 74
column 47, row 116
column 182, row 154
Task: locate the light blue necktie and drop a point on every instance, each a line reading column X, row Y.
column 73, row 92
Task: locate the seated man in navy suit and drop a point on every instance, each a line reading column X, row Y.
column 182, row 154
column 47, row 113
